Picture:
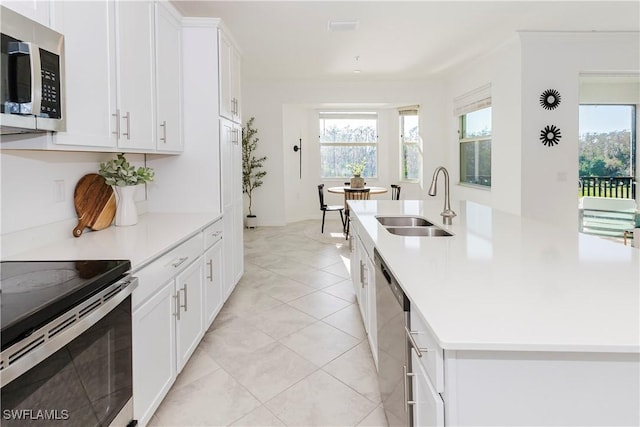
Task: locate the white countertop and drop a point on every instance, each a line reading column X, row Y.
column 504, row 282
column 152, row 236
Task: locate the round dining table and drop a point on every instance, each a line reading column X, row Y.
column 372, row 190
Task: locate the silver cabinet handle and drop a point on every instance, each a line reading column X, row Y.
column 185, row 298
column 117, row 116
column 179, row 262
column 414, row 344
column 163, row 125
column 210, row 276
column 362, row 274
column 177, row 298
column 128, row 118
column 406, row 375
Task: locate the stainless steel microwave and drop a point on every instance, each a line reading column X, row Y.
column 31, row 77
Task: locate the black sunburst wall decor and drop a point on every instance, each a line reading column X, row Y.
column 550, row 135
column 550, row 99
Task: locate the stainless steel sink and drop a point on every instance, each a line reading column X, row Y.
column 395, row 221
column 419, row 231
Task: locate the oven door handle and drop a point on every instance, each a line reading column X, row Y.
column 42, row 343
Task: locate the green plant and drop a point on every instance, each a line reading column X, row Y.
column 252, row 172
column 357, row 168
column 120, row 173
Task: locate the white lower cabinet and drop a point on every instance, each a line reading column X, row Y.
column 428, row 406
column 188, row 296
column 154, row 343
column 363, row 276
column 213, row 273
column 167, row 323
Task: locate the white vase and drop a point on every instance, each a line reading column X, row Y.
column 126, row 211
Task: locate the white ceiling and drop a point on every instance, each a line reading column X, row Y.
column 394, row 39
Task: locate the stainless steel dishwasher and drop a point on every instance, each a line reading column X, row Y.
column 392, row 311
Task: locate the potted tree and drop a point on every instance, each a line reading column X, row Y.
column 252, row 167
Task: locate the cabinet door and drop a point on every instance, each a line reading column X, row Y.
column 213, row 287
column 90, row 67
column 154, row 342
column 235, row 84
column 36, row 10
column 238, row 251
column 189, row 319
column 227, row 146
column 136, row 81
column 372, row 326
column 228, row 253
column 225, row 48
column 428, row 407
column 168, row 79
column 238, row 248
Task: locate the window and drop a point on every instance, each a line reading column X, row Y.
column 410, row 149
column 607, row 150
column 347, row 138
column 475, row 147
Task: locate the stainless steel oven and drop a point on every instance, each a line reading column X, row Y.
column 66, row 344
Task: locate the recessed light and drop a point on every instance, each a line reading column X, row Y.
column 342, row 25
column 357, row 71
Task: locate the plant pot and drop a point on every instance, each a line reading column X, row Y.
column 252, row 221
column 126, row 211
column 357, row 182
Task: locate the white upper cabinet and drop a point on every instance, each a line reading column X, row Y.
column 39, row 11
column 90, row 72
column 136, row 82
column 229, row 79
column 168, row 79
column 109, row 74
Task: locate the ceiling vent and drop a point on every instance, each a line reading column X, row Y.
column 343, row 25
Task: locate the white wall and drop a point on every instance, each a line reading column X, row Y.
column 555, row 61
column 287, row 111
column 500, row 68
column 28, row 188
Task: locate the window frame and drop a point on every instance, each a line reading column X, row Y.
column 463, row 141
column 361, row 114
column 402, row 113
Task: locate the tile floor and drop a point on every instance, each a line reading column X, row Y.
column 288, row 348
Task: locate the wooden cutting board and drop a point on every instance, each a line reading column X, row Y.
column 95, row 203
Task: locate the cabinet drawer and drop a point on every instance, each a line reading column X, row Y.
column 212, row 234
column 432, row 355
column 166, row 268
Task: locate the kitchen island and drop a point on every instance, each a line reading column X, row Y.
column 530, row 324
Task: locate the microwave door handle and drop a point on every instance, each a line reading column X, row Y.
column 36, row 78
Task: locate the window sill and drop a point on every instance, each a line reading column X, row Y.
column 474, row 186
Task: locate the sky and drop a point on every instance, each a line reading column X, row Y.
column 605, row 118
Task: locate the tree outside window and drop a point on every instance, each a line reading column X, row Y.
column 410, row 148
column 607, row 140
column 348, row 138
column 475, row 147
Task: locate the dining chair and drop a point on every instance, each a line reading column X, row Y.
column 395, row 192
column 324, row 207
column 353, row 194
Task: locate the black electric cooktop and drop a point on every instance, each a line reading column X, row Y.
column 35, row 292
